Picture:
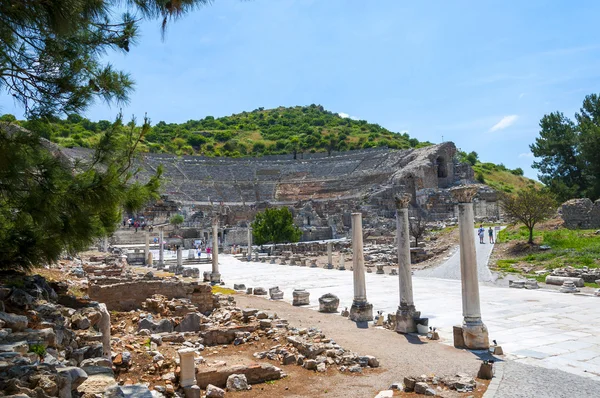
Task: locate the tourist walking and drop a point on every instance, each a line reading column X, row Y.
column 481, row 232
column 491, row 235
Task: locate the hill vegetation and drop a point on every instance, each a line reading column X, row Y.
column 260, row 132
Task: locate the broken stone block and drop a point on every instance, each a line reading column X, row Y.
column 486, row 371
column 275, row 293
column 516, row 284
column 255, row 373
column 459, row 339
column 423, row 388
column 259, row 291
column 214, row 392
column 310, row 364
column 239, row 286
column 192, row 392
column 531, row 284
column 237, row 382
column 300, row 297
column 12, row 321
column 394, row 271
column 189, row 323
column 328, row 303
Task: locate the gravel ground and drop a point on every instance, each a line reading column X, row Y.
column 398, row 355
column 526, row 381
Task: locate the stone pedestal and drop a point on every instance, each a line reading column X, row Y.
column 329, row 303
column 188, row 368
column 275, row 293
column 393, row 271
column 569, row 287
column 215, row 276
column 292, row 261
column 303, row 262
column 361, row 310
column 149, row 260
column 191, row 254
column 272, row 260
column 300, row 297
column 475, row 333
column 342, row 267
column 329, row 264
column 313, row 263
column 379, row 269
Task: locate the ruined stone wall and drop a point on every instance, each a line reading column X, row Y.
column 129, row 295
column 581, row 214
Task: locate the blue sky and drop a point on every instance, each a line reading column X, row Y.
column 479, row 73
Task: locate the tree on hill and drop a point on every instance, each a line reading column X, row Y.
column 417, row 226
column 275, row 225
column 568, row 152
column 177, row 220
column 529, row 206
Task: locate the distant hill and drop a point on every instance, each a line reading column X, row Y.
column 299, row 129
column 260, row 132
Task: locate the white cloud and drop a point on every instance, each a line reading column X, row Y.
column 345, row 116
column 526, row 155
column 505, row 122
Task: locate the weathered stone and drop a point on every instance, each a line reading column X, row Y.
column 300, row 297
column 423, row 388
column 189, row 323
column 15, row 322
column 409, row 384
column 260, row 291
column 560, row 280
column 568, row 287
column 239, row 286
column 214, row 392
column 328, row 303
column 237, row 382
column 192, row 392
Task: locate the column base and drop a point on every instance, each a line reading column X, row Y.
column 215, row 278
column 328, row 266
column 406, row 319
column 361, row 311
column 475, row 335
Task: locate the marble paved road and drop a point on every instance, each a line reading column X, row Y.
column 543, row 328
column 451, row 268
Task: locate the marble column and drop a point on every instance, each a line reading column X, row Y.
column 187, row 376
column 215, row 276
column 361, row 310
column 179, row 258
column 147, row 246
column 104, row 327
column 161, row 248
column 249, row 244
column 475, row 333
column 329, row 264
column 407, row 315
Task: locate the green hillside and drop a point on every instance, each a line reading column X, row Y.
column 260, row 132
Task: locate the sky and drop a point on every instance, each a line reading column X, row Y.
column 478, row 73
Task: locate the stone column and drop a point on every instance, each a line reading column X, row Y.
column 342, row 267
column 104, row 326
column 361, row 310
column 249, row 243
column 475, row 333
column 407, row 314
column 188, row 368
column 179, row 258
column 215, row 276
column 147, row 247
column 329, row 256
column 161, row 248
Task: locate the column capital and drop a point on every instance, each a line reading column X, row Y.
column 402, row 201
column 464, row 193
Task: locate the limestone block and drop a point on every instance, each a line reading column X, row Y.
column 313, row 263
column 393, row 271
column 379, row 269
column 516, row 284
column 239, row 286
column 15, row 322
column 459, row 341
column 255, row 373
column 328, row 303
column 214, row 392
column 486, row 371
column 476, row 336
column 259, row 291
column 531, row 284
column 300, row 297
column 568, row 287
column 237, row 382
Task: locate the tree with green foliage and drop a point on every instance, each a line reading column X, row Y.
column 50, row 204
column 529, row 206
column 177, row 220
column 50, row 51
column 275, row 225
column 568, row 152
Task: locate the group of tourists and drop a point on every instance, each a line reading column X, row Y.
column 481, row 234
column 137, row 223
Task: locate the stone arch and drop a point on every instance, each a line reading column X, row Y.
column 442, row 167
